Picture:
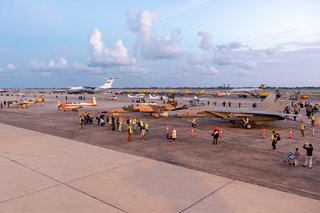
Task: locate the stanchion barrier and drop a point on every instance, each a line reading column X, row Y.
column 313, row 132
column 290, row 135
column 264, row 134
column 191, row 131
column 221, row 133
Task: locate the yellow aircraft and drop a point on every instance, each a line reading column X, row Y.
column 201, row 92
column 23, row 103
column 303, row 96
column 143, row 91
column 264, row 94
column 185, row 93
column 170, row 92
column 155, row 92
column 132, row 91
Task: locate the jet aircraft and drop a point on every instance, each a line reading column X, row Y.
column 151, row 108
column 76, row 105
column 270, row 110
column 91, row 90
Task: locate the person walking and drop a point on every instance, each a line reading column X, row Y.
column 146, row 127
column 129, row 133
column 143, row 133
column 81, row 122
column 215, row 135
column 134, row 123
column 120, row 124
column 296, row 157
column 113, row 120
column 174, row 135
column 308, row 160
column 303, row 127
column 274, row 140
column 313, row 120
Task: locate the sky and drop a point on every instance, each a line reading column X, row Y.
column 168, row 43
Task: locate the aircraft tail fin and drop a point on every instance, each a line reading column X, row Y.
column 279, row 104
column 41, row 99
column 93, row 101
column 202, row 92
column 108, row 83
column 268, row 101
column 261, row 86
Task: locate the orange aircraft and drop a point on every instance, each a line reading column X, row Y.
column 75, row 105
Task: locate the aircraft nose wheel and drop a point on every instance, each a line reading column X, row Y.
column 248, row 126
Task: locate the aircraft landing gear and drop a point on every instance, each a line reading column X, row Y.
column 246, row 123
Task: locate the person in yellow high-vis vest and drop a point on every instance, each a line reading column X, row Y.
column 129, row 132
column 303, row 126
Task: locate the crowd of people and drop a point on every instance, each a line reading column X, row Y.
column 115, row 123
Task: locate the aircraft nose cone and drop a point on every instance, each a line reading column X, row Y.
column 164, row 114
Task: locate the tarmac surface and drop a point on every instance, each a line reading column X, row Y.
column 46, row 173
column 241, row 155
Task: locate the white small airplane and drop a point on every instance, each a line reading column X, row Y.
column 195, row 98
column 77, row 105
column 92, row 90
column 157, row 97
column 136, row 96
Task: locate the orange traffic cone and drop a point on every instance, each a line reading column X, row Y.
column 221, row 133
column 264, row 134
column 191, row 131
column 318, row 123
column 313, row 132
column 301, row 120
column 290, row 135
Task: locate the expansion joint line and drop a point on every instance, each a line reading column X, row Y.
column 65, row 184
column 207, row 196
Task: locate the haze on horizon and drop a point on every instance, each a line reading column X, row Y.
column 196, row 43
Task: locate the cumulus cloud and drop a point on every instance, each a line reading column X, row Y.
column 152, row 47
column 83, row 67
column 197, row 65
column 11, row 67
column 205, row 43
column 52, row 65
column 102, row 56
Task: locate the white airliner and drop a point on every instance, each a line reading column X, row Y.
column 91, row 90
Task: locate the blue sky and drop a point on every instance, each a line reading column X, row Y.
column 159, row 43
